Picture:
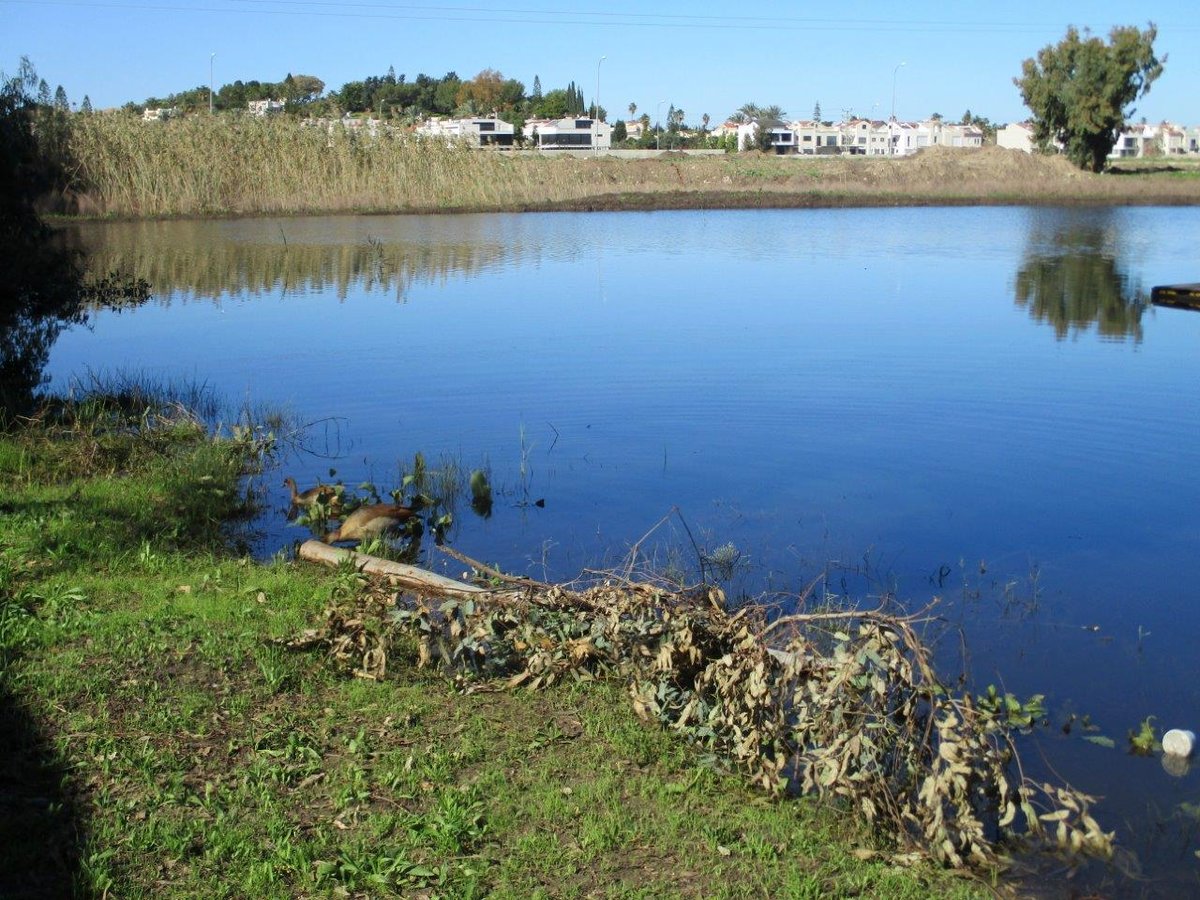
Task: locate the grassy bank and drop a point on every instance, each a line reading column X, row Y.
column 195, row 167
column 156, row 740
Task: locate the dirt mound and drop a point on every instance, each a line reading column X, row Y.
column 949, row 163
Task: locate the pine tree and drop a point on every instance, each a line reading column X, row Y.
column 537, row 89
column 86, row 106
column 60, row 100
column 817, row 112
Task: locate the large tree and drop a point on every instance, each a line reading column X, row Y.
column 1078, row 89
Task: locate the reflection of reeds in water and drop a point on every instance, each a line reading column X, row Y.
column 199, row 259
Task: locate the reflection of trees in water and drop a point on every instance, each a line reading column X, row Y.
column 204, row 259
column 1072, row 277
column 39, row 280
column 42, row 283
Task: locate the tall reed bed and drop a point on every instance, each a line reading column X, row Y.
column 198, row 166
column 230, row 166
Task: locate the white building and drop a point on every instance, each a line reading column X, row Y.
column 816, row 139
column 160, row 115
column 783, row 139
column 264, row 107
column 902, row 138
column 479, row 132
column 1135, row 142
column 572, row 133
column 1016, row 136
column 936, row 133
column 724, row 129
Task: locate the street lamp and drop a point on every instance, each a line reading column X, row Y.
column 657, row 116
column 892, row 121
column 600, row 60
column 596, row 124
column 211, row 57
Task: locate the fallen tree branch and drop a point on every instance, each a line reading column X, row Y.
column 409, row 577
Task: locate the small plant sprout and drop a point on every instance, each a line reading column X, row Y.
column 1142, row 635
column 481, row 494
column 1145, row 741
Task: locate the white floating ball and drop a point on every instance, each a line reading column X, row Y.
column 1178, row 742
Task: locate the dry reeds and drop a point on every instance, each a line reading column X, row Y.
column 247, row 166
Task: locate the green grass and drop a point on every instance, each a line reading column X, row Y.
column 157, row 741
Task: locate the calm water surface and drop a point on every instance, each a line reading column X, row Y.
column 974, row 404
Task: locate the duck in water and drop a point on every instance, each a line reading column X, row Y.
column 369, row 521
column 322, row 493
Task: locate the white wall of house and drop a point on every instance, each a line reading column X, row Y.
column 1015, row 136
column 903, row 136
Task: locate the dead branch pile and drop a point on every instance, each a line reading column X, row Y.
column 843, row 704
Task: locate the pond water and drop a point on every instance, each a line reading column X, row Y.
column 973, row 404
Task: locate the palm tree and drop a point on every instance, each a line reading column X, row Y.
column 772, row 114
column 632, row 110
column 747, row 112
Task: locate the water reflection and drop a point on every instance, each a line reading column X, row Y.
column 44, row 298
column 1072, row 276
column 219, row 259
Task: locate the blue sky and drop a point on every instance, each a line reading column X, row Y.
column 701, row 56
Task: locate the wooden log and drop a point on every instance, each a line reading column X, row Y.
column 409, row 577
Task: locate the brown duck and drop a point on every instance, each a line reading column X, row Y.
column 368, row 521
column 323, row 493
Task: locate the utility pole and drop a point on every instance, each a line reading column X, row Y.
column 211, row 57
column 892, row 123
column 658, row 133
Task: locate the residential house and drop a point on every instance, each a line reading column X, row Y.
column 878, row 137
column 1172, row 139
column 634, row 129
column 936, row 133
column 160, row 115
column 264, row 107
column 859, row 138
column 1016, row 136
column 783, row 139
column 817, row 139
column 1136, row 141
column 479, row 132
column 902, row 138
column 572, row 133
